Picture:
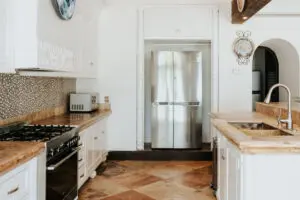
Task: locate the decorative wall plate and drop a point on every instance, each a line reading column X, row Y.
column 64, row 8
column 243, row 47
column 241, row 5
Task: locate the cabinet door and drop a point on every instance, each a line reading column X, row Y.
column 234, row 173
column 89, row 149
column 178, row 22
column 97, row 142
column 87, row 67
column 223, row 169
column 103, row 138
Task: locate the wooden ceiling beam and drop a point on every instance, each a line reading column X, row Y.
column 251, row 8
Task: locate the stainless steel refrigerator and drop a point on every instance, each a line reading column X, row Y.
column 176, row 95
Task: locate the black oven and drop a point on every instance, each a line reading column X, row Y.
column 61, row 176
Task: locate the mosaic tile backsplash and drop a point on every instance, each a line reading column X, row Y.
column 21, row 95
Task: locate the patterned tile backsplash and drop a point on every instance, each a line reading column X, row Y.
column 21, row 95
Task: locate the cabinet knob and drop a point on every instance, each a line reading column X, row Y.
column 95, row 138
column 82, row 175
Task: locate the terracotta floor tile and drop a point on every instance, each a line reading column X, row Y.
column 135, row 179
column 141, row 165
column 169, row 170
column 99, row 188
column 115, row 169
column 164, row 190
column 148, row 180
column 129, row 195
column 197, row 179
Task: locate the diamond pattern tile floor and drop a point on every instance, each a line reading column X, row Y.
column 148, row 180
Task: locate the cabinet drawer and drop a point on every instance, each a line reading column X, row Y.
column 16, row 187
column 82, row 176
column 81, row 158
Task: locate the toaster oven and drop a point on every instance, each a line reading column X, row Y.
column 83, row 102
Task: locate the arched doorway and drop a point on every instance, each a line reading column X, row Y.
column 275, row 61
column 265, row 73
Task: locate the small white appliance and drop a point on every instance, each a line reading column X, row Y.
column 83, row 102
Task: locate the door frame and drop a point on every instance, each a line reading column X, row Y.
column 140, row 109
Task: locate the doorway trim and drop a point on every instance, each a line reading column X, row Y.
column 140, row 76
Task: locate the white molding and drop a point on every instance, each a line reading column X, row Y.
column 215, row 62
column 278, row 14
column 140, row 83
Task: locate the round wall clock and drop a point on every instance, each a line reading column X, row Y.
column 241, row 5
column 243, row 47
column 65, row 8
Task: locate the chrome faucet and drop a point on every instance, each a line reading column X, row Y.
column 267, row 100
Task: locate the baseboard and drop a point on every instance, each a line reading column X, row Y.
column 204, row 154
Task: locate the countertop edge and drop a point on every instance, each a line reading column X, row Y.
column 245, row 143
column 21, row 158
column 29, row 153
column 93, row 120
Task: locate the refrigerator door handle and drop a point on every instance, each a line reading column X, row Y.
column 162, row 103
column 189, row 104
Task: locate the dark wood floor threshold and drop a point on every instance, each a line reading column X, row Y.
column 203, row 154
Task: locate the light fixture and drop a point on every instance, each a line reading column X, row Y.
column 245, row 17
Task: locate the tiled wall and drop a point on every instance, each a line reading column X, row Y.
column 275, row 110
column 21, row 95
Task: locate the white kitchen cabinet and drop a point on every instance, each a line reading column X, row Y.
column 28, row 39
column 180, row 22
column 234, row 172
column 90, row 149
column 88, row 65
column 25, row 182
column 93, row 150
column 223, row 168
column 230, row 170
column 82, row 159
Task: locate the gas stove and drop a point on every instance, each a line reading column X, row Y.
column 62, row 154
column 56, row 137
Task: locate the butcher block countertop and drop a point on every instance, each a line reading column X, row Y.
column 13, row 154
column 254, row 145
column 83, row 120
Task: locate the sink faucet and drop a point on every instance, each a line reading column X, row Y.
column 267, row 100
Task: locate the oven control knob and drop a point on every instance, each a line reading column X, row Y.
column 51, row 152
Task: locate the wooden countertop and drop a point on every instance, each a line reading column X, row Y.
column 253, row 145
column 294, row 105
column 13, row 154
column 83, row 120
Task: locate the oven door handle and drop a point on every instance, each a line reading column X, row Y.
column 54, row 166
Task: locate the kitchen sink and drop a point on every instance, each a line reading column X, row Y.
column 265, row 133
column 252, row 126
column 259, row 129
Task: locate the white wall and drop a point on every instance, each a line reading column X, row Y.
column 117, row 73
column 288, row 59
column 118, row 58
column 235, row 81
